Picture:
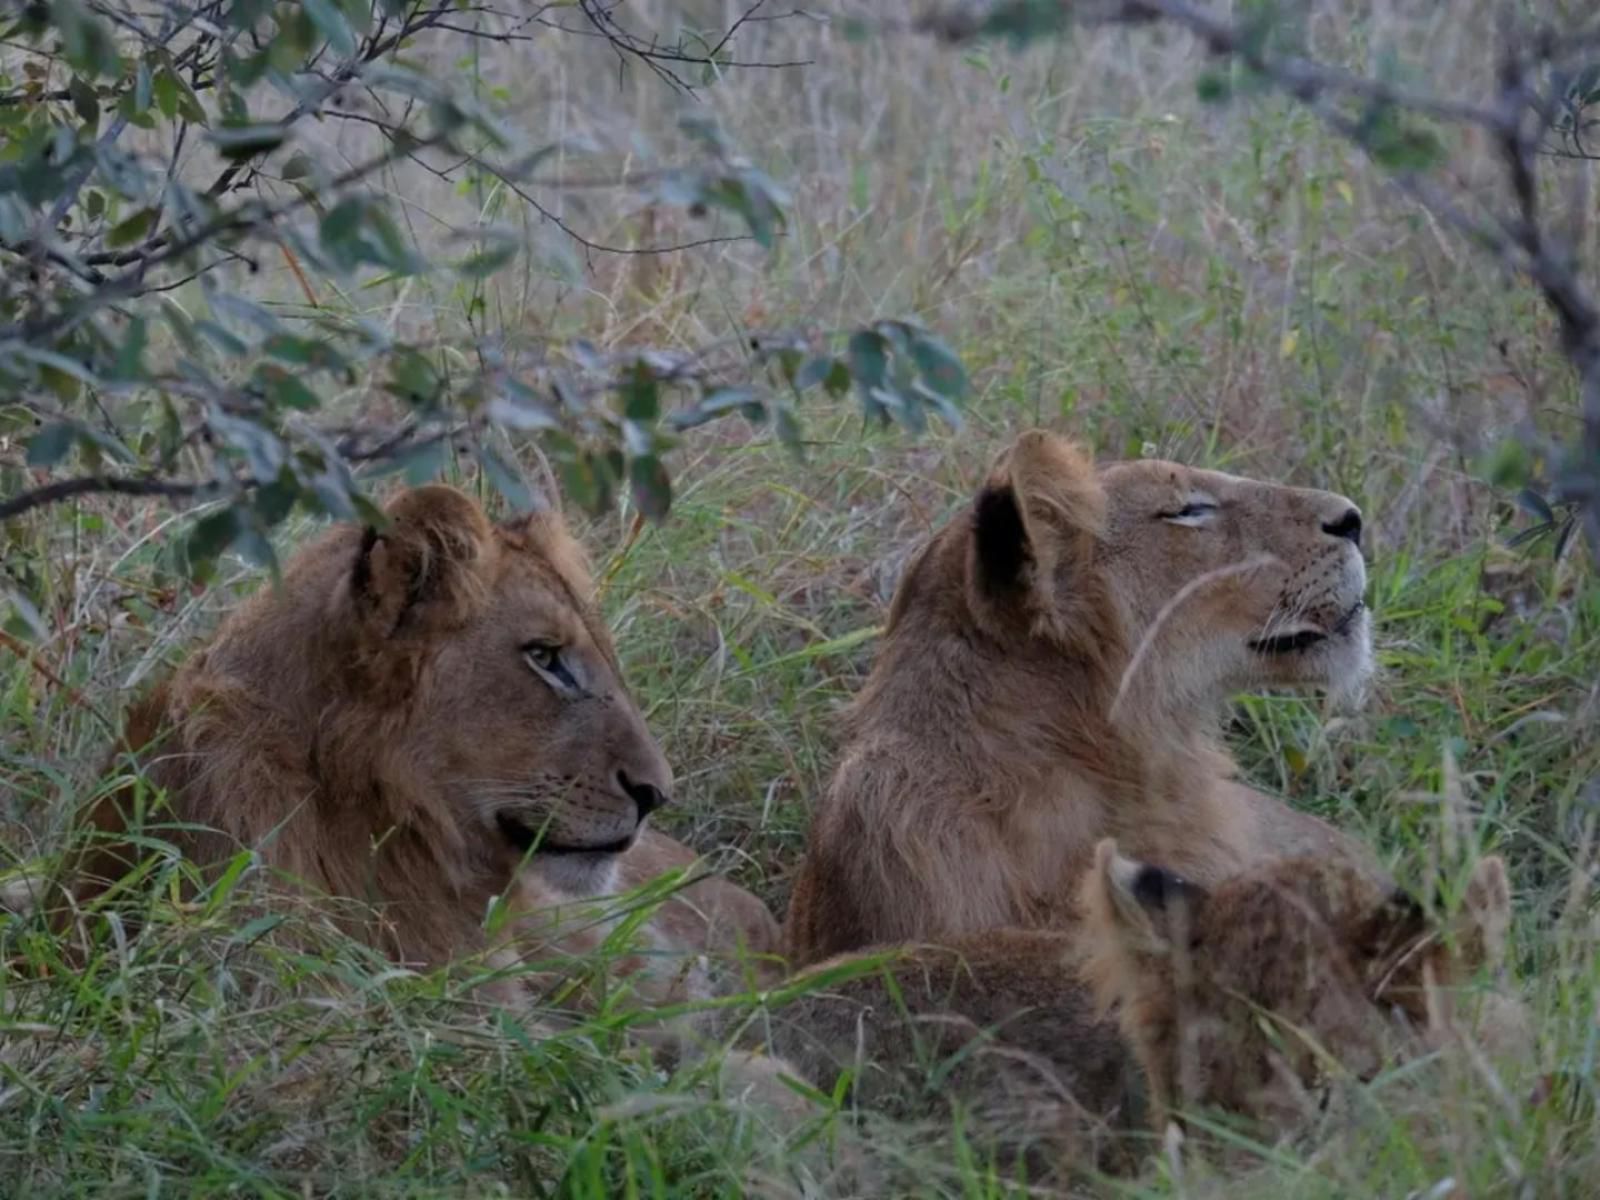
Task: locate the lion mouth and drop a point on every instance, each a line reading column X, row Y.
column 1303, row 639
column 526, row 838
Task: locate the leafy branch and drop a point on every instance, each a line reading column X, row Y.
column 1544, row 106
column 255, row 408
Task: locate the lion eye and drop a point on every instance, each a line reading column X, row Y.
column 1196, row 512
column 545, row 661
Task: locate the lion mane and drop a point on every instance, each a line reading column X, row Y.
column 425, row 716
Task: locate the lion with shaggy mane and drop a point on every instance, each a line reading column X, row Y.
column 1056, row 669
column 426, row 718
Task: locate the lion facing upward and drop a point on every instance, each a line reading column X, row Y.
column 423, row 717
column 1056, row 669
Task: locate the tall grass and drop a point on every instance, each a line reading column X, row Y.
column 1113, row 258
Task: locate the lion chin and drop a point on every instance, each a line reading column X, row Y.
column 1058, row 663
column 428, row 718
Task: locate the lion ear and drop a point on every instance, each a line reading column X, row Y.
column 422, row 571
column 1136, row 903
column 1035, row 522
column 1136, row 958
column 1134, row 913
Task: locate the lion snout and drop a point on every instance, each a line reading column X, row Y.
column 646, row 796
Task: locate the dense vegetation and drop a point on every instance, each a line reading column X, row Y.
column 255, row 260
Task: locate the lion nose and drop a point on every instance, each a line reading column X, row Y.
column 1347, row 526
column 647, row 797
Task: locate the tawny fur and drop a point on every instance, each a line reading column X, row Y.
column 1167, row 999
column 1250, row 996
column 369, row 727
column 982, row 759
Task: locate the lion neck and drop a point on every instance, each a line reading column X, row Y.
column 1026, row 740
column 1021, row 706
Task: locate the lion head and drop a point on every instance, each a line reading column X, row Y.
column 1188, row 585
column 1253, row 996
column 1056, row 668
column 419, row 709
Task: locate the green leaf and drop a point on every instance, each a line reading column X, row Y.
column 129, row 365
column 423, row 463
column 837, row 382
column 252, row 543
column 135, row 229
column 331, row 24
column 940, row 368
column 297, row 166
column 50, row 445
column 751, row 195
column 787, row 426
column 277, row 499
column 357, row 230
column 869, row 365
column 311, row 352
column 238, row 142
column 413, row 378
column 111, row 444
column 262, row 449
column 719, row 403
column 869, row 361
column 358, row 13
column 1537, row 505
column 487, row 261
column 164, row 88
column 85, row 41
column 211, row 535
column 223, row 339
column 84, row 101
column 641, row 394
column 650, row 486
column 284, row 390
column 814, row 371
column 505, row 479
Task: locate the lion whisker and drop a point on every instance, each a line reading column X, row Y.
column 1171, row 607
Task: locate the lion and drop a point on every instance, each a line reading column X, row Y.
column 428, row 718
column 1056, row 668
column 1256, row 998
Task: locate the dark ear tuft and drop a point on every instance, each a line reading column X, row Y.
column 1157, row 888
column 1034, row 529
column 1001, row 539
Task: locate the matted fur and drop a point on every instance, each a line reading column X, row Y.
column 1057, row 664
column 374, row 729
column 1250, row 998
column 1251, row 995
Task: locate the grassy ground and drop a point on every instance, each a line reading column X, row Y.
column 1112, row 258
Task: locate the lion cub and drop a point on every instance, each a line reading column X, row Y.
column 1252, row 997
